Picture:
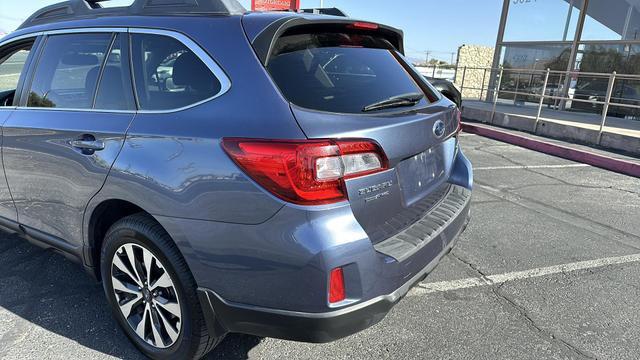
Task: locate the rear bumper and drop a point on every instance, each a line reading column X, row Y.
column 333, row 325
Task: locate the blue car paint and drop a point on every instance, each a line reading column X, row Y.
column 240, row 242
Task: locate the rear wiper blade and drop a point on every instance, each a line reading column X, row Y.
column 395, row 101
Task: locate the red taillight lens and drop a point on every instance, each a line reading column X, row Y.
column 364, row 26
column 308, row 172
column 459, row 120
column 336, row 286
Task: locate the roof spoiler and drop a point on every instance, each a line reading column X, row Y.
column 79, row 9
column 264, row 43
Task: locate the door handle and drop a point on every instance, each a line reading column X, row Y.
column 88, row 144
column 95, row 145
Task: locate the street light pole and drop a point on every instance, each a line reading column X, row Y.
column 321, row 4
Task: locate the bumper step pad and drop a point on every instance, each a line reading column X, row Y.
column 412, row 239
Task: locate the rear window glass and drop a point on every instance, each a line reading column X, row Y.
column 338, row 72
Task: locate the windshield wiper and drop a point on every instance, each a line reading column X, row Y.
column 410, row 99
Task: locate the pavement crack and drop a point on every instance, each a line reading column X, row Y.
column 495, row 289
column 582, row 186
column 621, row 237
column 532, row 324
column 502, row 156
column 471, row 266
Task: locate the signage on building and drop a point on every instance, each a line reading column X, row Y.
column 266, row 5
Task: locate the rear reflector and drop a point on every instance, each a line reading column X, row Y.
column 306, row 172
column 336, row 286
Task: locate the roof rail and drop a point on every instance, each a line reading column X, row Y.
column 326, row 11
column 83, row 9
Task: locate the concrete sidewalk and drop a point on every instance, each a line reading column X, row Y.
column 619, row 134
column 582, row 154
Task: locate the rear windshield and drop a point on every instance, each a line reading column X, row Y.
column 339, row 72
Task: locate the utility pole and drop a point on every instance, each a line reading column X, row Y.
column 453, row 54
column 321, row 4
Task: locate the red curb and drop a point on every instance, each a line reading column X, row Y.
column 565, row 152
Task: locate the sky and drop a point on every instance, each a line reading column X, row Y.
column 437, row 26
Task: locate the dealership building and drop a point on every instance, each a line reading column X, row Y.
column 581, row 36
column 561, row 34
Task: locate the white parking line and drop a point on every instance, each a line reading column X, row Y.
column 7, row 75
column 518, row 167
column 443, row 286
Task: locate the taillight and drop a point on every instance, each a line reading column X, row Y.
column 336, row 286
column 364, row 26
column 458, row 117
column 306, row 172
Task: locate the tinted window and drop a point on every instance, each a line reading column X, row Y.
column 115, row 91
column 10, row 69
column 68, row 71
column 338, row 72
column 168, row 75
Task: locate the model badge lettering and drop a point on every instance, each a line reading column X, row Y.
column 377, row 196
column 375, row 188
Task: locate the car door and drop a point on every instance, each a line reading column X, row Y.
column 14, row 59
column 59, row 145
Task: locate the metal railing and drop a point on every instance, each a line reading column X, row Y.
column 447, row 72
column 551, row 87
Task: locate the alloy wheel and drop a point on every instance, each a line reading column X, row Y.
column 146, row 295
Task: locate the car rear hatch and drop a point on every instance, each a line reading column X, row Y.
column 347, row 79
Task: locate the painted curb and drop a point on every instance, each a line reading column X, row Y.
column 565, row 152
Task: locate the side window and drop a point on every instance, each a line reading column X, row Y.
column 168, row 74
column 11, row 68
column 115, row 90
column 68, row 71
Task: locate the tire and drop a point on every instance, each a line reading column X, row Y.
column 175, row 327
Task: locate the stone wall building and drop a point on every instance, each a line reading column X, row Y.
column 475, row 59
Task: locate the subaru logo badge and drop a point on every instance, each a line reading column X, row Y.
column 439, row 129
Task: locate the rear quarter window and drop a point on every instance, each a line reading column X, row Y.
column 339, row 72
column 168, row 75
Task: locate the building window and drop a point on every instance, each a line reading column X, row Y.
column 612, row 20
column 542, row 20
column 540, row 57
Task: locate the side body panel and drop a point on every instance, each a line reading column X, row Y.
column 52, row 181
column 172, row 163
column 7, row 207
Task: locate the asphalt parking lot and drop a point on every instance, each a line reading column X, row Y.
column 548, row 268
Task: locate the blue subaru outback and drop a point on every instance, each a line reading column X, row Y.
column 277, row 174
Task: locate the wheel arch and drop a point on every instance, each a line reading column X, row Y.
column 98, row 220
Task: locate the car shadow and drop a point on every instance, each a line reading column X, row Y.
column 41, row 293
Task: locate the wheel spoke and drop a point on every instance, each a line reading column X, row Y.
column 132, row 260
column 129, row 305
column 171, row 307
column 173, row 334
column 157, row 338
column 141, row 328
column 163, row 281
column 147, row 260
column 120, row 286
column 117, row 262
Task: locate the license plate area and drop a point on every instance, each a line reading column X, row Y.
column 422, row 173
